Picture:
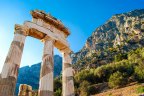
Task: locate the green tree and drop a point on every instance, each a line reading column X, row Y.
column 117, row 80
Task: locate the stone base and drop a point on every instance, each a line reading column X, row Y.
column 7, row 86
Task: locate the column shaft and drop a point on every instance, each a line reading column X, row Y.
column 46, row 74
column 67, row 76
column 11, row 66
column 13, row 58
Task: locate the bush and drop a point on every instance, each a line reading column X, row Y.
column 84, row 75
column 92, row 90
column 139, row 73
column 58, row 92
column 140, row 89
column 84, row 88
column 57, row 87
column 120, row 57
column 116, row 80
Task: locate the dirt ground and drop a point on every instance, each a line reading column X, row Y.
column 126, row 91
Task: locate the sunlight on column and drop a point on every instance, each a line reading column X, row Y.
column 5, row 40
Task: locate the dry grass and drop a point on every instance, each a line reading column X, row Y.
column 126, row 91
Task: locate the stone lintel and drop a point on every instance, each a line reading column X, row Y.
column 40, row 32
column 36, row 34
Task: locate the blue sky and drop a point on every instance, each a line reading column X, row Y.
column 82, row 17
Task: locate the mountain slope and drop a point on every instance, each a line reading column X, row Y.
column 120, row 34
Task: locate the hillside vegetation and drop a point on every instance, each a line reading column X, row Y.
column 119, row 73
column 114, row 75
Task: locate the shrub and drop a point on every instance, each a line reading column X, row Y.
column 116, row 80
column 57, row 87
column 84, row 88
column 57, row 84
column 120, row 57
column 84, row 75
column 58, row 92
column 139, row 73
column 92, row 90
column 140, row 89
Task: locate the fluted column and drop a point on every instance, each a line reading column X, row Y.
column 67, row 76
column 11, row 66
column 46, row 86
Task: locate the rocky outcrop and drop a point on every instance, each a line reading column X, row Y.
column 120, row 34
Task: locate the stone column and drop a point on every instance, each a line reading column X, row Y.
column 46, row 86
column 11, row 66
column 67, row 76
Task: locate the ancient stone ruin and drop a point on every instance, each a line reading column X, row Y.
column 26, row 90
column 53, row 34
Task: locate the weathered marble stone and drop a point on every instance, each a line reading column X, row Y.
column 67, row 76
column 46, row 93
column 7, row 86
column 11, row 66
column 46, row 74
column 25, row 90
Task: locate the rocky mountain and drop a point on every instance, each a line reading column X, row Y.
column 120, row 34
column 30, row 74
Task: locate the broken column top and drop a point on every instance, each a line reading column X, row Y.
column 50, row 19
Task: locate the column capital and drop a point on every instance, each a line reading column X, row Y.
column 66, row 50
column 21, row 29
column 67, row 57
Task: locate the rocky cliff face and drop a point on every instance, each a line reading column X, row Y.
column 120, row 34
column 30, row 75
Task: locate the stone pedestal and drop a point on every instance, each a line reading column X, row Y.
column 46, row 75
column 12, row 63
column 67, row 76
